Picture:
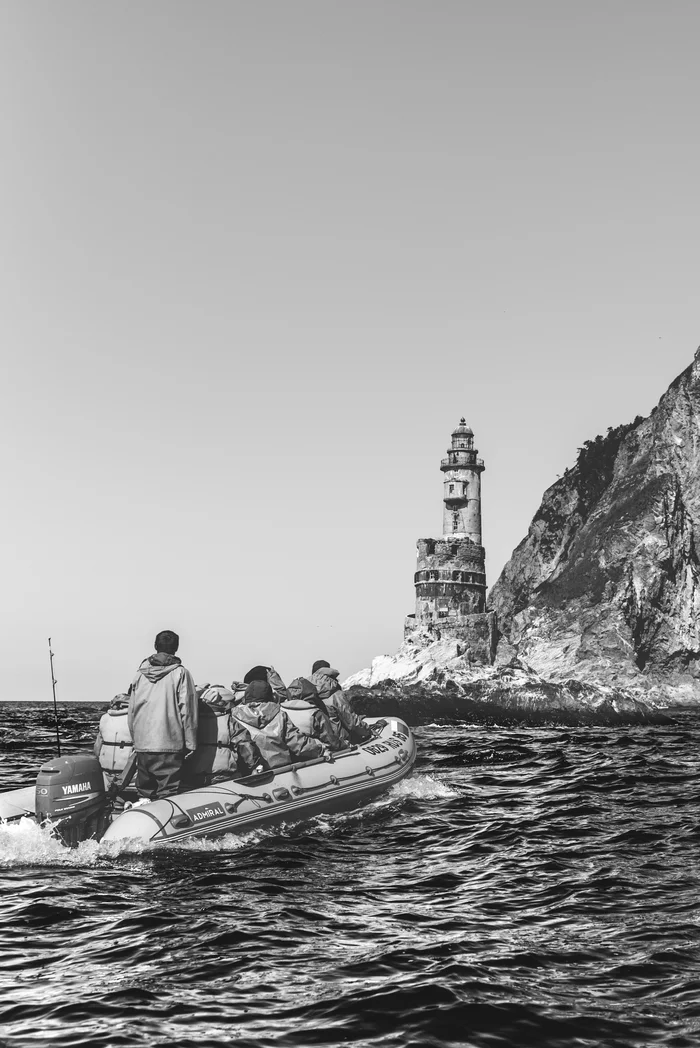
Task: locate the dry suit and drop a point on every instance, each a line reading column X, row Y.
column 225, row 749
column 309, row 714
column 279, row 740
column 346, row 724
column 163, row 720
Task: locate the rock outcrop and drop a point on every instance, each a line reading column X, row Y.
column 605, row 587
column 423, row 684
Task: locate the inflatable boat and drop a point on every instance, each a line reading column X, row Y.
column 70, row 796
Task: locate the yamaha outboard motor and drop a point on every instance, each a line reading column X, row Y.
column 70, row 794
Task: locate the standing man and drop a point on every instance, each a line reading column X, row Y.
column 162, row 719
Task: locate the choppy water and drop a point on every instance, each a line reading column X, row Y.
column 529, row 886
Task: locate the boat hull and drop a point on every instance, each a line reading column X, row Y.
column 18, row 804
column 290, row 794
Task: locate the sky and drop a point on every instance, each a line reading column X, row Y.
column 257, row 260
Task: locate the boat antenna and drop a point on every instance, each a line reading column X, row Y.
column 55, row 706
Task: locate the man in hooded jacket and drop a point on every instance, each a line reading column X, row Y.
column 304, row 707
column 346, row 724
column 162, row 718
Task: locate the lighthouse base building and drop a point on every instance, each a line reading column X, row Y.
column 450, row 574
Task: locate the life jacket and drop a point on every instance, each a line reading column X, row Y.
column 224, row 748
column 116, row 746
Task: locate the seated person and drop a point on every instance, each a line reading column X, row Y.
column 225, row 749
column 349, row 728
column 278, row 739
column 309, row 714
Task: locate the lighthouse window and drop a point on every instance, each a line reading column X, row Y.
column 452, row 487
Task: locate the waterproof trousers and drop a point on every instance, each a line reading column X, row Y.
column 159, row 774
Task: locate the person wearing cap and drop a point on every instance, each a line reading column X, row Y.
column 278, row 739
column 346, row 724
column 113, row 745
column 163, row 719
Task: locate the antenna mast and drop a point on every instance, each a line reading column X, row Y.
column 55, row 706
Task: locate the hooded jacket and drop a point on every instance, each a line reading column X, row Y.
column 309, row 714
column 113, row 745
column 276, row 736
column 163, row 706
column 346, row 724
column 224, row 748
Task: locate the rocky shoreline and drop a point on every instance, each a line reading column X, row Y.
column 437, row 682
column 596, row 616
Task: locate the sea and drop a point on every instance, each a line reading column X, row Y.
column 524, row 886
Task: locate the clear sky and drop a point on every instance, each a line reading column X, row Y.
column 257, row 259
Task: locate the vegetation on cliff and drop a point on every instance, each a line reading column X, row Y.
column 595, row 464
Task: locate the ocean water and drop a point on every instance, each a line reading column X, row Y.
column 524, row 886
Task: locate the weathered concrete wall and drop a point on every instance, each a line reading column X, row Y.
column 450, row 580
column 462, row 498
column 477, row 634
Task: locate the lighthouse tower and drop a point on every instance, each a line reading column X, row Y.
column 462, row 497
column 450, row 579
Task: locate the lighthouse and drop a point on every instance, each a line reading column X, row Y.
column 462, row 497
column 450, row 576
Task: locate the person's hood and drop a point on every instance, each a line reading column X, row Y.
column 302, row 693
column 324, row 684
column 218, row 697
column 157, row 666
column 119, row 704
column 327, row 671
column 258, row 691
column 219, row 703
column 257, row 714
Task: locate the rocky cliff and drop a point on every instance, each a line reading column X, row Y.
column 605, row 586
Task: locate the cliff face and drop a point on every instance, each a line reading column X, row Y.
column 606, row 585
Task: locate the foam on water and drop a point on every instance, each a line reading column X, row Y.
column 423, row 787
column 25, row 843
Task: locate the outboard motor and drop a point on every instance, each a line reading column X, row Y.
column 70, row 794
